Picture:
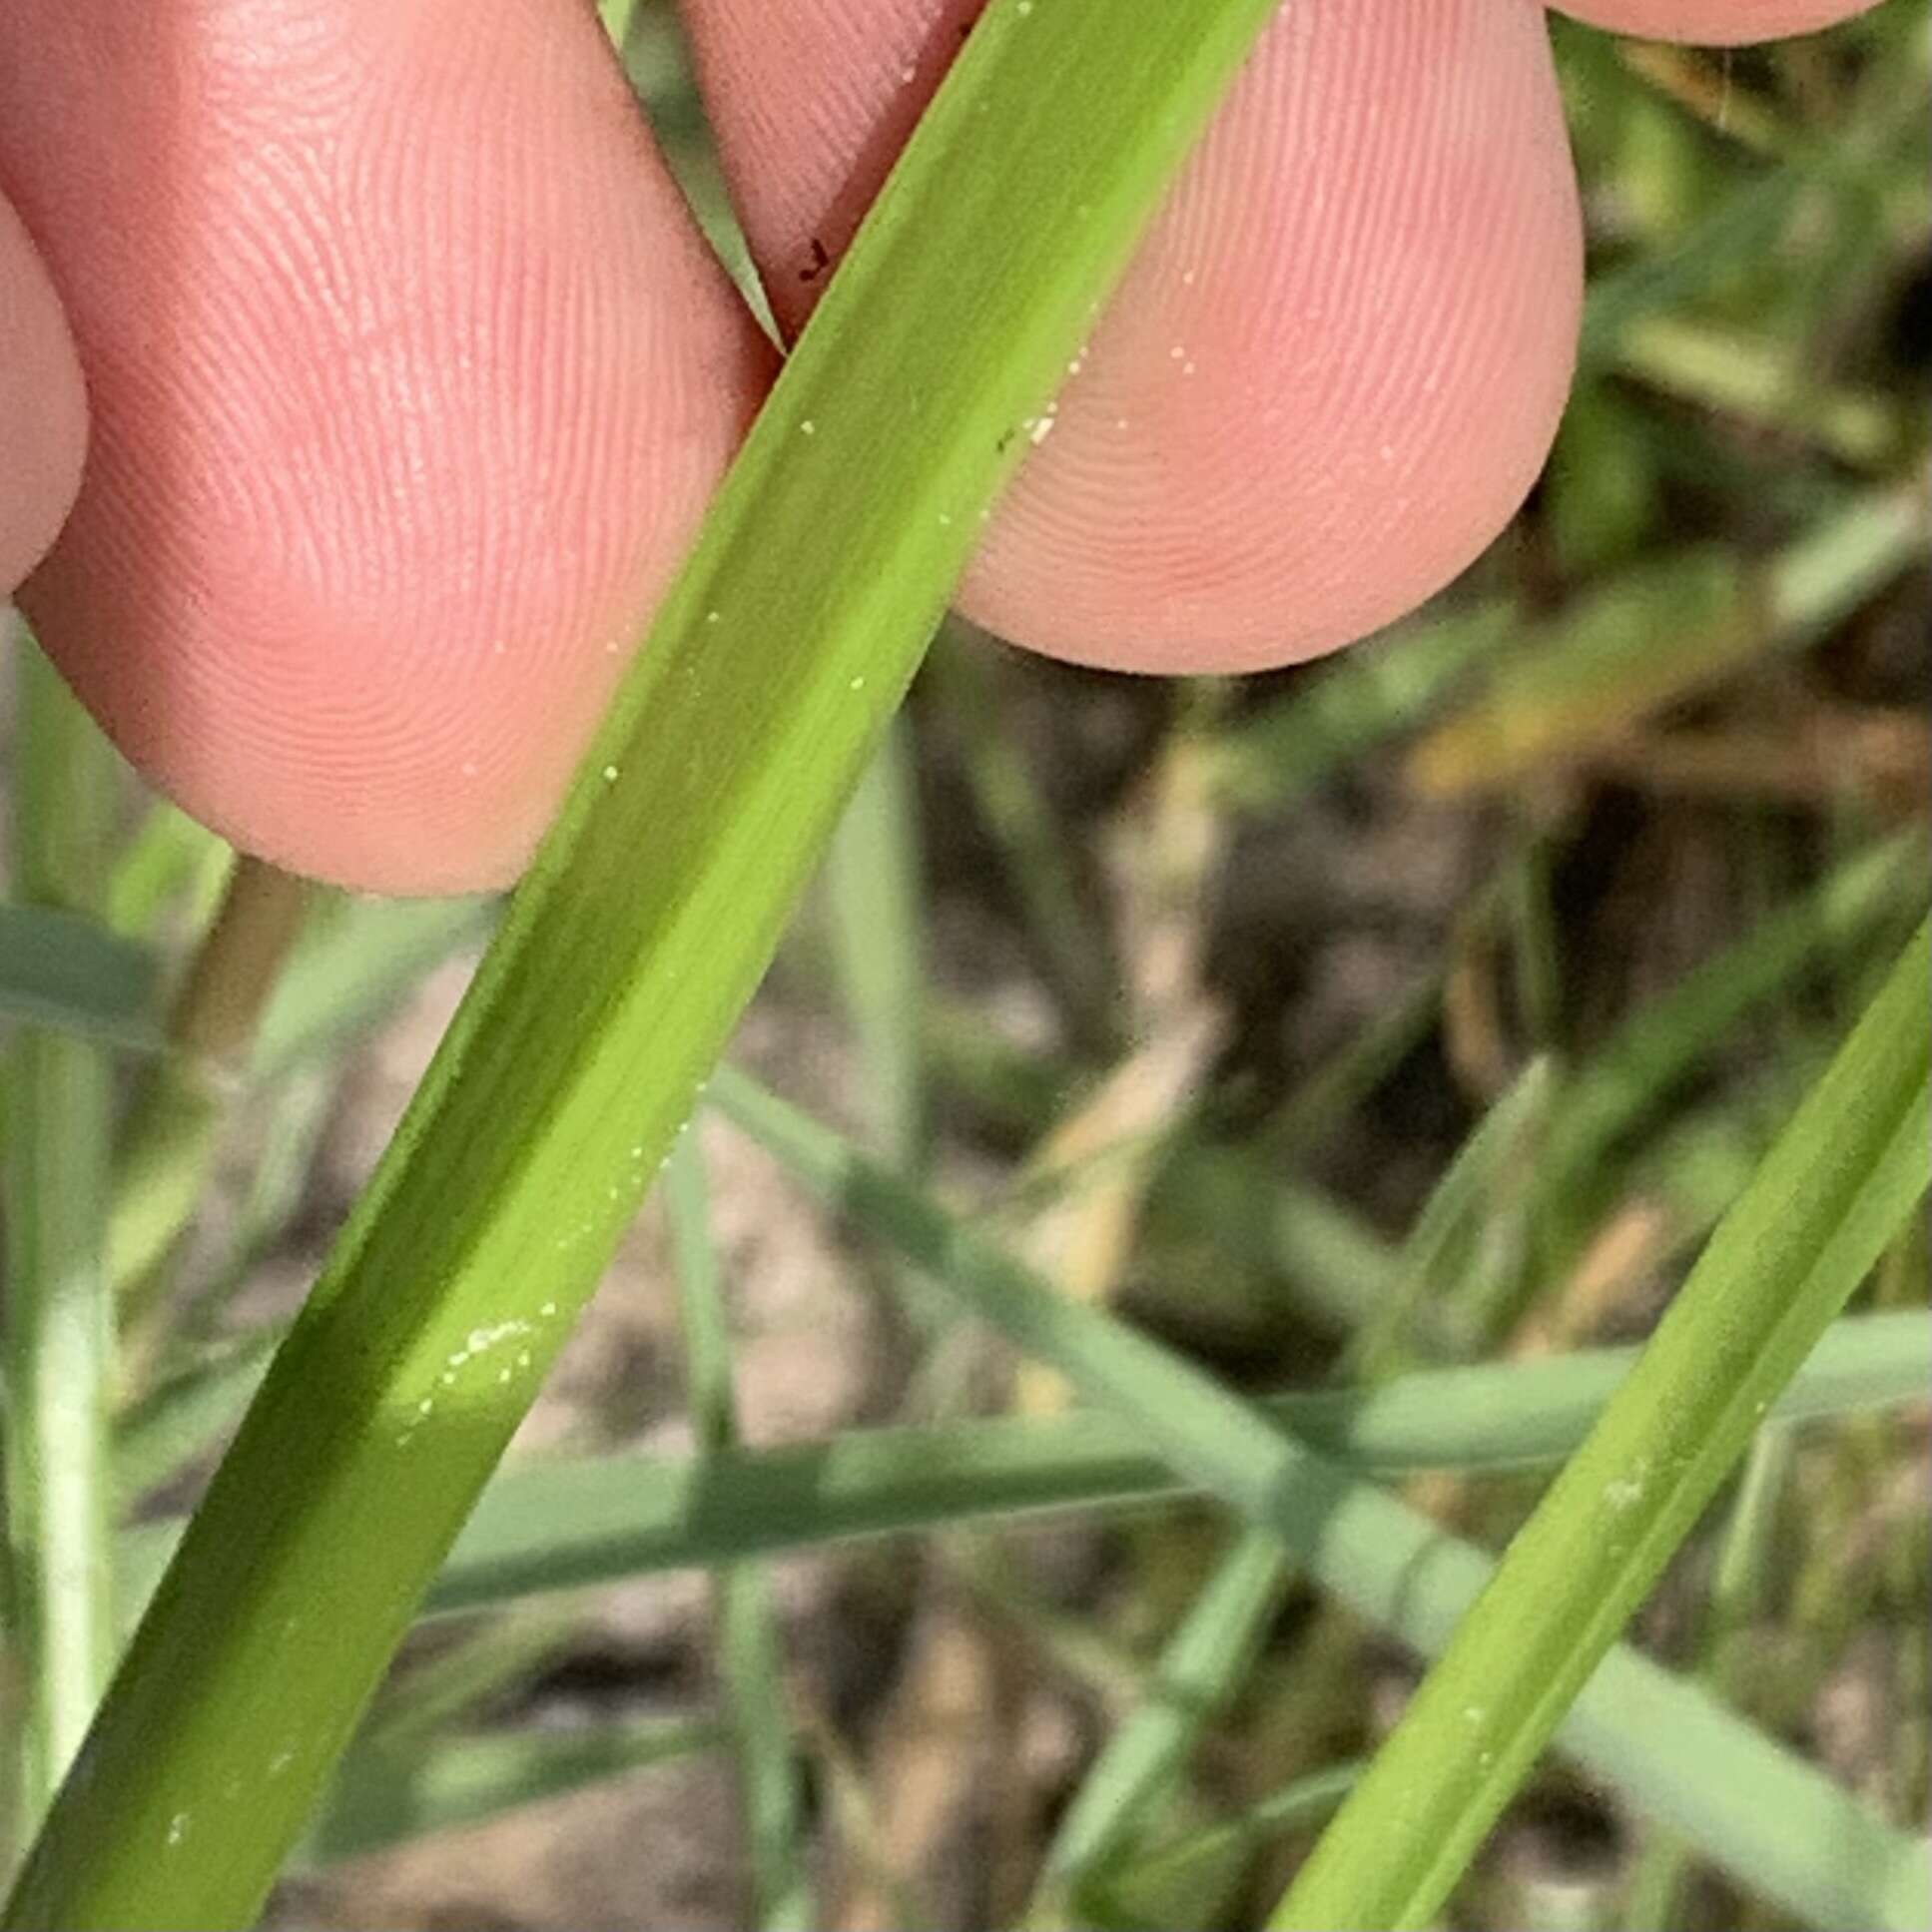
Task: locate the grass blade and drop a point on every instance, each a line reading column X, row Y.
column 1755, row 1808
column 355, row 959
column 1665, row 1040
column 630, row 949
column 1469, row 1200
column 383, row 1797
column 872, row 876
column 167, row 868
column 179, row 1419
column 1820, row 1209
column 742, row 1613
column 567, row 1522
column 63, row 971
column 57, row 1336
column 1659, row 633
column 1199, row 1670
column 1170, row 1866
column 1034, row 849
column 1383, row 687
column 175, row 1127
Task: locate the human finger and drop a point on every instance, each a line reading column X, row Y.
column 1334, row 367
column 410, row 377
column 42, row 416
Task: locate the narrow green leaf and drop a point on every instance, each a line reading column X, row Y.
column 385, row 1798
column 564, row 1523
column 485, row 1661
column 1380, row 689
column 1758, row 1809
column 1167, row 1867
column 1746, row 1556
column 1822, row 1206
column 178, row 1420
column 1032, row 846
column 171, row 868
column 1664, row 1041
column 173, row 1128
column 65, row 970
column 57, row 1322
column 1743, row 227
column 872, row 875
column 742, row 1612
column 356, row 957
column 1201, row 1669
column 1464, row 1203
column 1660, row 632
column 1765, row 380
column 630, row 949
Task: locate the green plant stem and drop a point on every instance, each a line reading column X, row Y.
column 1200, row 1667
column 1818, row 1214
column 1075, row 951
column 872, row 878
column 742, row 1614
column 629, row 950
column 172, row 1132
column 1309, row 1797
column 58, row 1319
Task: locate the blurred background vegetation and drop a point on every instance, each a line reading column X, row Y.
column 1422, row 1007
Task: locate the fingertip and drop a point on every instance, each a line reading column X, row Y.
column 43, row 417
column 1336, row 366
column 1333, row 369
column 1715, row 23
column 410, row 377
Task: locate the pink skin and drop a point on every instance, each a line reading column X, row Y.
column 43, row 418
column 1715, row 23
column 408, row 376
column 1309, row 405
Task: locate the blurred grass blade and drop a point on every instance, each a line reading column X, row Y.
column 57, row 1322
column 630, row 950
column 1659, row 633
column 355, row 959
column 1743, row 226
column 64, row 970
column 742, row 1610
column 872, row 876
column 1753, row 1807
column 1167, row 1867
column 565, row 1524
column 1383, row 687
column 1335, row 1267
column 1747, row 1553
column 1765, row 381
column 1436, row 1260
column 171, row 868
column 1665, row 1040
column 617, row 16
column 484, row 1662
column 1201, row 1667
column 178, row 1420
column 1075, row 952
column 385, row 1798
column 1820, row 1209
column 173, row 1128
